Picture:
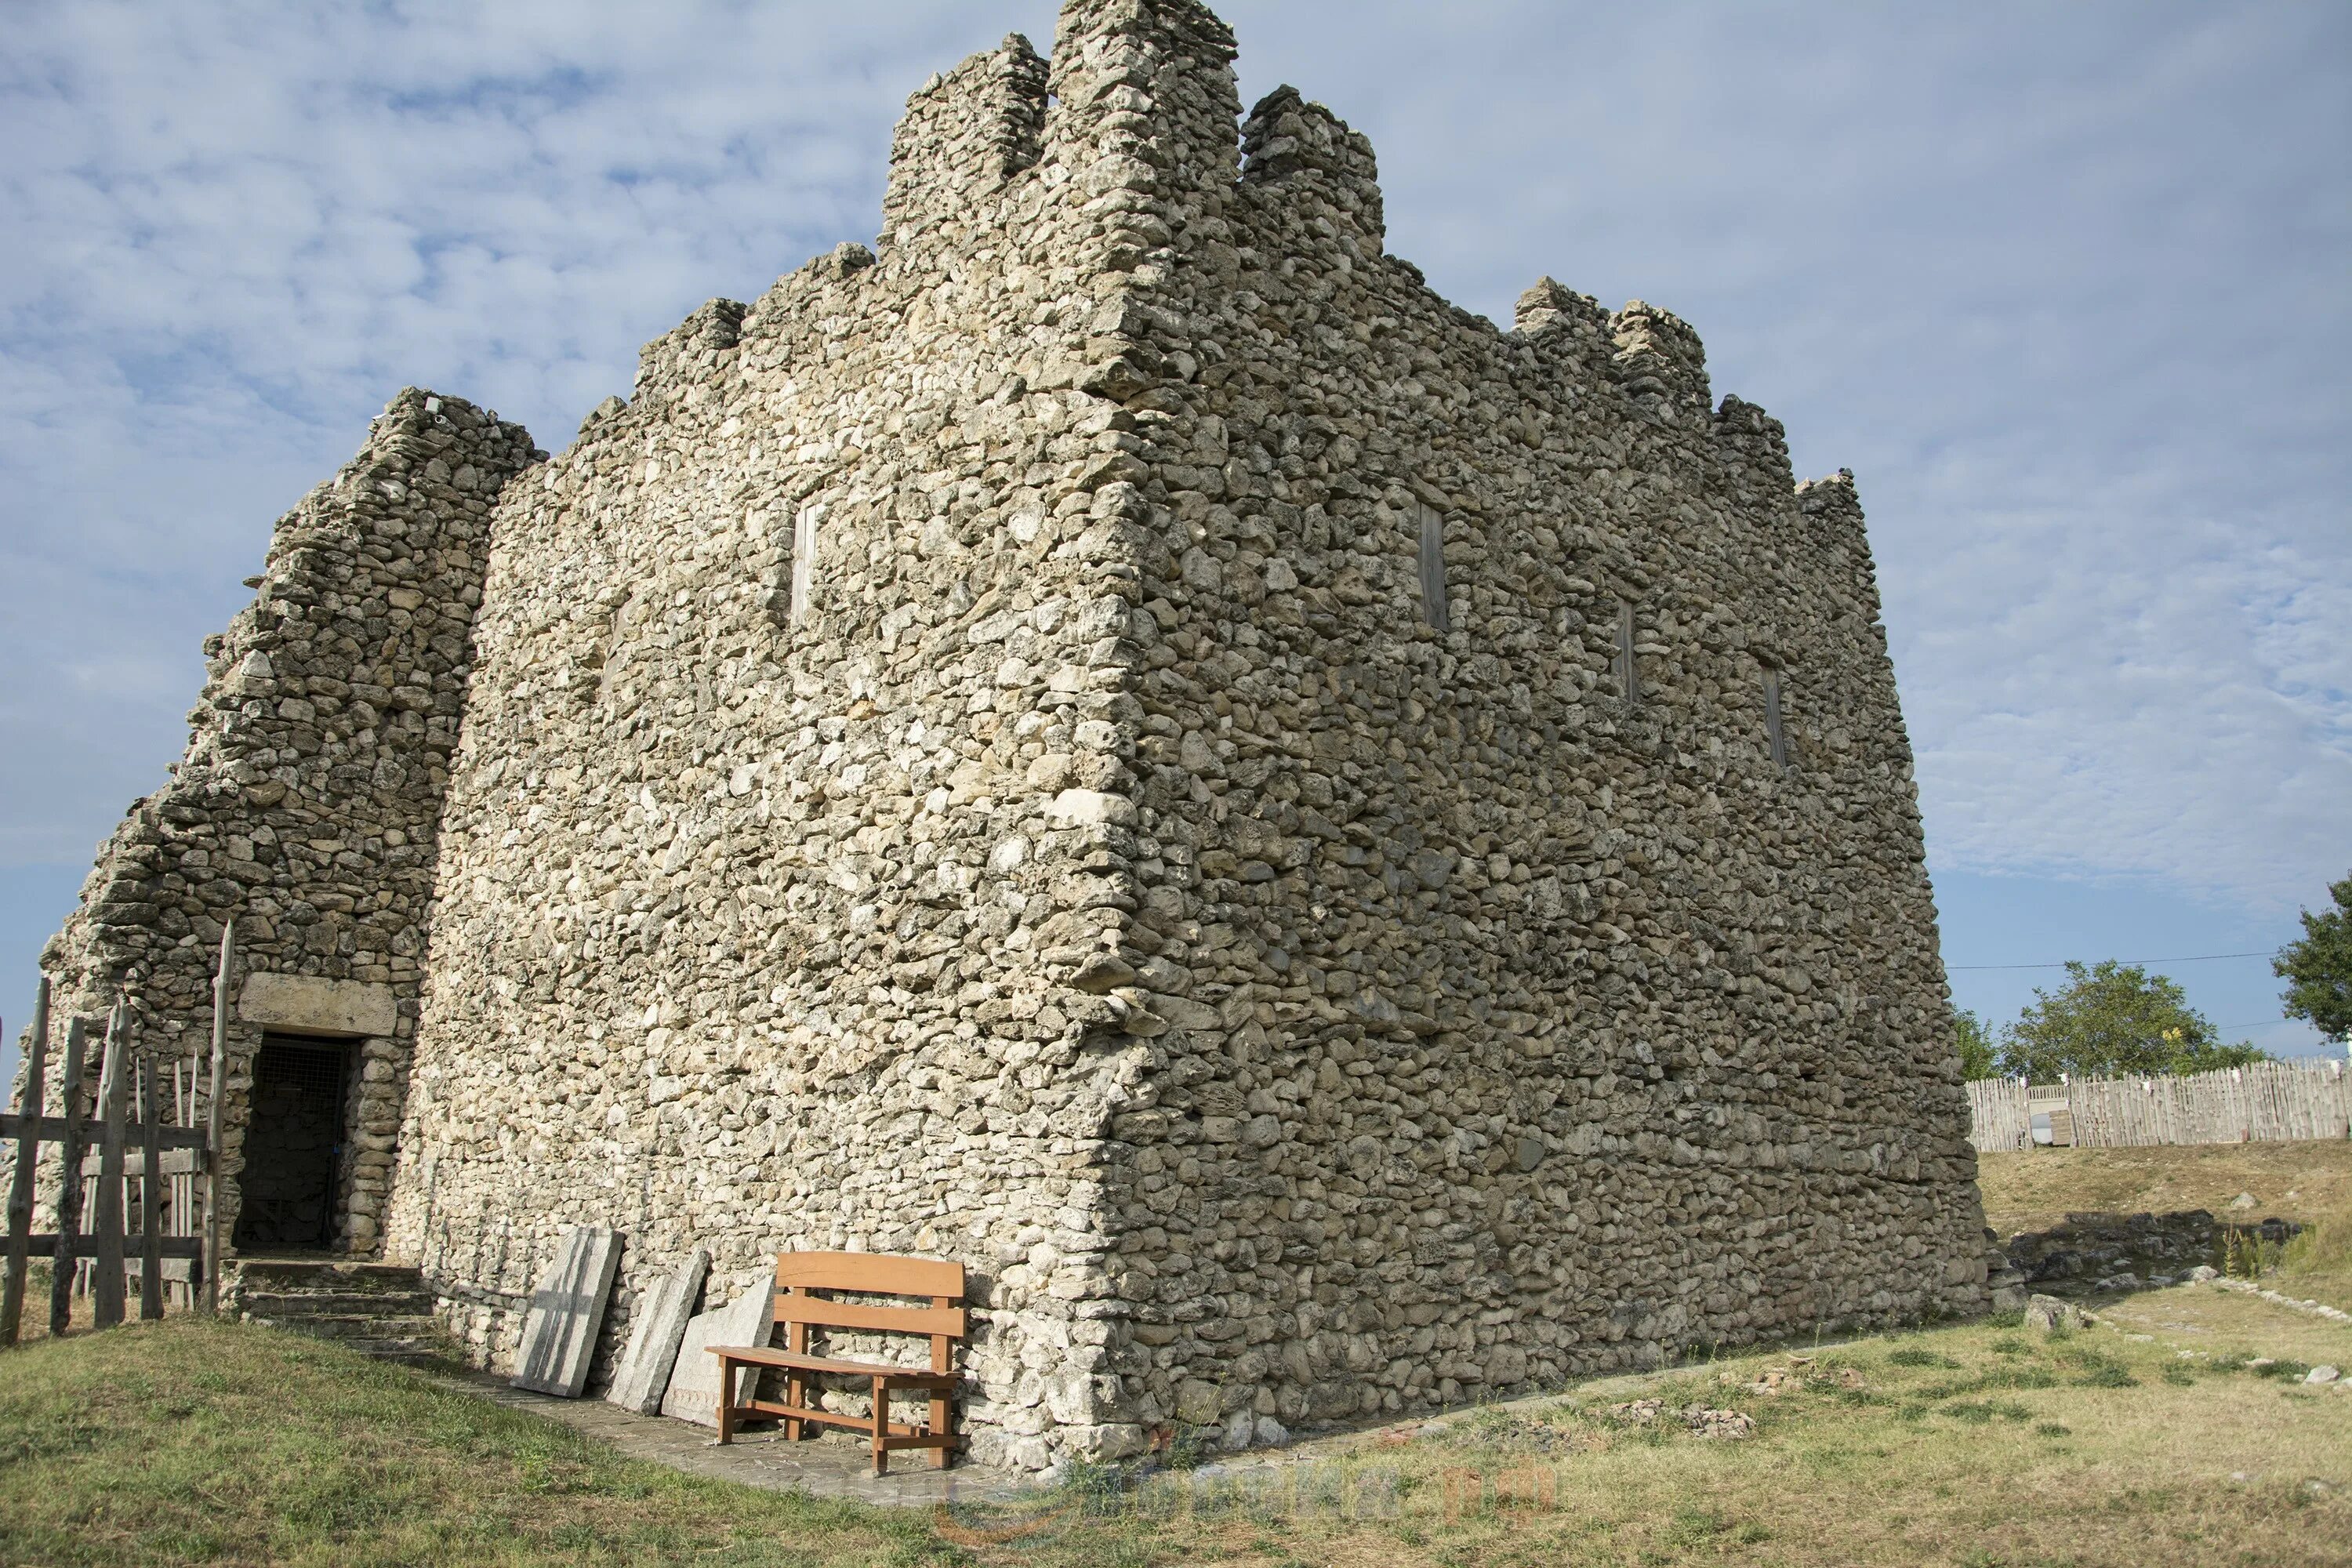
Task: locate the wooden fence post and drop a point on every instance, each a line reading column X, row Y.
column 106, row 1274
column 151, row 1195
column 61, row 1261
column 28, row 1163
column 211, row 1263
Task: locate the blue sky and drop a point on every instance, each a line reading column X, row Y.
column 2063, row 284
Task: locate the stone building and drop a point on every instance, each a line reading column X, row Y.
column 1342, row 858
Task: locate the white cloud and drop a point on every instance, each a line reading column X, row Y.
column 2062, row 285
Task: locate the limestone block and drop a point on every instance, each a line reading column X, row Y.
column 559, row 1332
column 642, row 1375
column 305, row 1005
column 693, row 1392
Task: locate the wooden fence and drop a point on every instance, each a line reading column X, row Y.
column 1998, row 1117
column 177, row 1239
column 2264, row 1103
column 2268, row 1102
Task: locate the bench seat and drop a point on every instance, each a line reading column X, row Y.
column 805, row 1282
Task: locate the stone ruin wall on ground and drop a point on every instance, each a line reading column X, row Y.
column 960, row 763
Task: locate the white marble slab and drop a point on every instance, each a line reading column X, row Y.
column 559, row 1331
column 693, row 1393
column 662, row 1314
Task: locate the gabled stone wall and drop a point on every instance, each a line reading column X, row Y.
column 782, row 822
column 309, row 799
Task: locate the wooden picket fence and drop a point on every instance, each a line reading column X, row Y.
column 95, row 1246
column 1999, row 1118
column 2267, row 1102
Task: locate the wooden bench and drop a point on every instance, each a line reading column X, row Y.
column 799, row 1275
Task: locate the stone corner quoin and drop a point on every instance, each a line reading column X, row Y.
column 1341, row 859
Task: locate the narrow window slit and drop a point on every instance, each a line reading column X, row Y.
column 1434, row 607
column 804, row 559
column 1624, row 667
column 1776, row 733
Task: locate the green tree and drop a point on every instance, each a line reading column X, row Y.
column 2112, row 1020
column 2318, row 969
column 1978, row 1058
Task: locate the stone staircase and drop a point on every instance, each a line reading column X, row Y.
column 381, row 1309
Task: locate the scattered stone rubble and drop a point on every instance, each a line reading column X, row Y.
column 1342, row 858
column 1701, row 1420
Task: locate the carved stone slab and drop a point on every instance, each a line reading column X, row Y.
column 559, row 1332
column 693, row 1383
column 639, row 1381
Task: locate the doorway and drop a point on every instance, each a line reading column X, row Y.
column 293, row 1144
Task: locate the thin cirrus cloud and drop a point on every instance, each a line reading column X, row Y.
column 2062, row 284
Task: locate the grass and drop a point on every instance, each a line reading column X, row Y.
column 189, row 1441
column 200, row 1441
column 33, row 1323
column 2317, row 1264
column 2175, row 1431
column 2310, row 1182
column 2035, row 1190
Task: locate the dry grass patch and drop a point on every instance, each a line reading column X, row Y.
column 1978, row 1446
column 2036, row 1189
column 33, row 1324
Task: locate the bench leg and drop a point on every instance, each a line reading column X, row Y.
column 726, row 1400
column 881, row 1426
column 793, row 1392
column 942, row 1424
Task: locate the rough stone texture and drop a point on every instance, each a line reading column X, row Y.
column 558, row 1328
column 658, row 1327
column 1118, row 738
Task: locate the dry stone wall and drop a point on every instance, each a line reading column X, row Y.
column 308, row 802
column 790, row 769
column 1529, row 1015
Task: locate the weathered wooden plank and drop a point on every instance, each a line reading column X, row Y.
column 69, row 1136
column 106, row 1223
column 176, row 1161
column 213, row 1114
column 52, row 1129
column 20, row 1191
column 151, row 1199
column 44, row 1244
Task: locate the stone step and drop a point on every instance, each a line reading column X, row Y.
column 337, row 1303
column 349, row 1326
column 282, row 1276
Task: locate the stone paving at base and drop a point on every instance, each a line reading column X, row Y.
column 831, row 1466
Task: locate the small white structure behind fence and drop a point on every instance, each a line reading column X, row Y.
column 2268, row 1102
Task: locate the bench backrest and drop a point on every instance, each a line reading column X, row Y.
column 799, row 1274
